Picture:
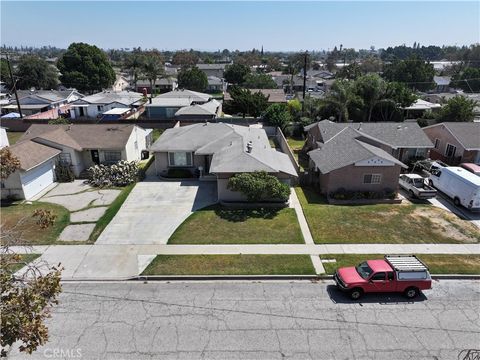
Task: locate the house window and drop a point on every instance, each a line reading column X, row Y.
column 180, row 159
column 372, row 178
column 113, row 156
column 437, row 143
column 450, row 151
column 100, row 107
column 65, row 158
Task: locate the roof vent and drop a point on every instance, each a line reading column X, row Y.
column 249, row 147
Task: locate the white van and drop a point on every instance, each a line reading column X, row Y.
column 459, row 184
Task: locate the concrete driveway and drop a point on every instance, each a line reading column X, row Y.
column 153, row 211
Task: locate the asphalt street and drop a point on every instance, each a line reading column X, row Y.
column 259, row 320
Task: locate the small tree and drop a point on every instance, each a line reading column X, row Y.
column 458, row 108
column 26, row 299
column 9, row 163
column 235, row 74
column 247, row 103
column 259, row 81
column 259, row 186
column 278, row 115
column 192, row 79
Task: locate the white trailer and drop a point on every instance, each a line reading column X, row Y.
column 460, row 185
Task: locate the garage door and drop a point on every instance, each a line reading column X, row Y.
column 37, row 179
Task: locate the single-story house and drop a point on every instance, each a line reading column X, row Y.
column 217, row 151
column 216, row 70
column 418, row 108
column 166, row 106
column 442, row 83
column 161, row 86
column 404, row 141
column 215, row 84
column 455, row 142
column 84, row 145
column 200, row 112
column 95, row 105
column 36, row 173
column 347, row 161
column 35, row 101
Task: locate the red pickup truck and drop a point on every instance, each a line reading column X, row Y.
column 396, row 273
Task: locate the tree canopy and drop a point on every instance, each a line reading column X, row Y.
column 86, row 68
column 467, row 79
column 246, row 103
column 259, row 81
column 413, row 72
column 458, row 108
column 235, row 74
column 192, row 78
column 278, row 115
column 184, row 57
column 33, row 71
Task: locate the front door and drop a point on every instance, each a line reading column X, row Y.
column 207, row 164
column 95, row 156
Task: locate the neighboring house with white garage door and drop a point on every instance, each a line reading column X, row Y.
column 36, row 173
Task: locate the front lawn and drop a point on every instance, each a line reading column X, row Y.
column 29, row 231
column 230, row 265
column 437, row 264
column 219, row 225
column 385, row 223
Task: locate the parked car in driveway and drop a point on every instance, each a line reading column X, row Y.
column 473, row 168
column 462, row 186
column 416, row 186
column 395, row 273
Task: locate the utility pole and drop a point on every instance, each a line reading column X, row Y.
column 14, row 86
column 304, row 80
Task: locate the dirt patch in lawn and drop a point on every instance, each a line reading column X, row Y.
column 449, row 225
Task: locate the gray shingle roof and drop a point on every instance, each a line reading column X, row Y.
column 107, row 97
column 31, row 154
column 193, row 96
column 346, row 149
column 82, row 136
column 395, row 135
column 467, row 133
column 228, row 145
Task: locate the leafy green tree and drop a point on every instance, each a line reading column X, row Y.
column 259, row 81
column 371, row 64
column 247, row 103
column 413, row 72
column 235, row 74
column 193, row 79
column 459, row 109
column 349, row 72
column 86, row 68
column 371, row 90
column 35, row 72
column 468, row 79
column 259, row 186
column 278, row 115
column 185, row 58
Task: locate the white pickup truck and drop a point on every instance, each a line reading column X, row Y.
column 416, row 186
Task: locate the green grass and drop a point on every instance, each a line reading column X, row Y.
column 111, row 212
column 219, row 225
column 13, row 137
column 230, row 265
column 31, row 233
column 24, row 259
column 156, row 134
column 437, row 264
column 383, row 223
column 295, row 144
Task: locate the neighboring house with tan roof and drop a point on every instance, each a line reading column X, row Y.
column 78, row 146
column 217, row 151
column 455, row 142
column 275, row 96
column 362, row 157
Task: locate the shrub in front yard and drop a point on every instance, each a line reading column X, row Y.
column 64, row 173
column 179, row 173
column 259, row 186
column 121, row 174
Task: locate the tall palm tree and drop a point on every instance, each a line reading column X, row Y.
column 341, row 97
column 153, row 69
column 134, row 63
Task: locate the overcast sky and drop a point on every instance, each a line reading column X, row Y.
column 284, row 25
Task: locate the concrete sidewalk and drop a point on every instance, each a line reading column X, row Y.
column 96, row 262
